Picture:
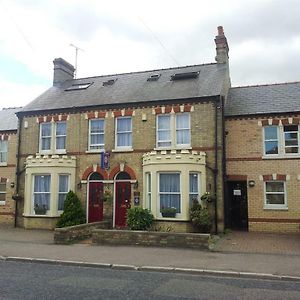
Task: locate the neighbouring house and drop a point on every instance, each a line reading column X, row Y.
column 152, row 139
column 263, row 157
column 8, row 161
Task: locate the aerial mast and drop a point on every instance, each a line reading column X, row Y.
column 76, row 55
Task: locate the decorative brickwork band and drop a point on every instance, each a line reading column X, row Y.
column 3, row 179
column 55, row 118
column 96, row 115
column 283, row 121
column 117, row 169
column 90, row 170
column 123, row 113
column 175, row 108
column 273, row 177
column 4, row 137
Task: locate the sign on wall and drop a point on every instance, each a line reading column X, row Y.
column 104, row 157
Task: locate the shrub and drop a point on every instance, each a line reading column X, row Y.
column 73, row 212
column 200, row 217
column 139, row 218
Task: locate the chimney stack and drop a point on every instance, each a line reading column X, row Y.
column 62, row 71
column 221, row 47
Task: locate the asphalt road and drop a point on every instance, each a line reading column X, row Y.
column 42, row 281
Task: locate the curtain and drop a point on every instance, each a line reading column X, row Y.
column 194, row 193
column 42, row 191
column 46, row 136
column 60, row 135
column 63, row 188
column 182, row 129
column 124, row 133
column 96, row 133
column 169, row 189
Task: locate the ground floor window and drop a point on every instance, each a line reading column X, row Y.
column 169, row 191
column 194, row 188
column 41, row 193
column 63, row 188
column 275, row 194
column 2, row 193
column 148, row 190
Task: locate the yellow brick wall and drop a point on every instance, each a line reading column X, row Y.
column 244, row 141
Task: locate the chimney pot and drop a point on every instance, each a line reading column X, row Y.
column 221, row 46
column 220, row 30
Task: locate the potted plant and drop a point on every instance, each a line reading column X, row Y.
column 168, row 212
column 40, row 209
column 207, row 197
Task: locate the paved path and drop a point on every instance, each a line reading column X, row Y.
column 39, row 244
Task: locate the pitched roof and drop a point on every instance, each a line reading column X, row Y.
column 263, row 99
column 133, row 88
column 8, row 118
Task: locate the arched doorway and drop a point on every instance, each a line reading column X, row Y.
column 122, row 198
column 95, row 198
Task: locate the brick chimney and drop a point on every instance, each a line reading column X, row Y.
column 221, row 47
column 62, row 71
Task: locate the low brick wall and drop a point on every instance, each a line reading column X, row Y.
column 71, row 234
column 151, row 238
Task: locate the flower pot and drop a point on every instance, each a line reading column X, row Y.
column 168, row 214
column 40, row 211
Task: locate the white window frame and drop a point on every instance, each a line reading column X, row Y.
column 52, row 139
column 90, row 145
column 33, row 193
column 178, row 214
column 56, row 136
column 198, row 186
column 127, row 147
column 283, row 143
column 58, row 192
column 148, row 190
column 4, row 162
column 272, row 140
column 158, row 130
column 2, row 202
column 173, row 132
column 275, row 206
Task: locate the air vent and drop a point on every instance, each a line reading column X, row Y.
column 79, row 86
column 187, row 75
column 109, row 82
column 153, row 77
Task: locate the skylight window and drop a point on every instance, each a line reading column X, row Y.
column 153, row 77
column 109, row 82
column 79, row 86
column 186, row 75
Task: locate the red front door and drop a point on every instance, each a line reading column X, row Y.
column 123, row 197
column 95, row 202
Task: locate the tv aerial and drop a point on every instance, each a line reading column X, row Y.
column 76, row 56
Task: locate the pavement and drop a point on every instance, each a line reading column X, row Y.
column 239, row 254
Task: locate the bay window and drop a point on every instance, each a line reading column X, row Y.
column 41, row 192
column 194, row 188
column 63, row 189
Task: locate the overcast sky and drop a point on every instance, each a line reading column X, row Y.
column 125, row 36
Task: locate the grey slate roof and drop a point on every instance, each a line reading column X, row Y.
column 8, row 118
column 133, row 88
column 263, row 99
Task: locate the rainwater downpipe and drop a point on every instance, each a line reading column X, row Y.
column 216, row 165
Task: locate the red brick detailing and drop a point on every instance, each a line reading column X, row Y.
column 101, row 114
column 280, row 177
column 285, row 121
column 92, row 115
column 237, row 177
column 40, row 119
column 187, row 107
column 264, row 122
column 48, row 118
column 3, row 179
column 90, row 170
column 116, row 170
column 55, row 118
column 275, row 122
column 128, row 112
column 296, row 121
column 64, row 118
column 168, row 109
column 265, row 220
column 176, row 108
column 3, row 137
column 117, row 113
column 158, row 110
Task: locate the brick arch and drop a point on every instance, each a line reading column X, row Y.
column 90, row 170
column 117, row 169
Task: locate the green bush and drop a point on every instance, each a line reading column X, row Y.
column 200, row 217
column 73, row 212
column 139, row 218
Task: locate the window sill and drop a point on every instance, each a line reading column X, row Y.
column 172, row 148
column 40, row 216
column 2, row 202
column 62, row 152
column 280, row 156
column 94, row 151
column 3, row 164
column 122, row 150
column 276, row 208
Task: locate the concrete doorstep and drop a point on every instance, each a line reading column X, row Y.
column 190, row 271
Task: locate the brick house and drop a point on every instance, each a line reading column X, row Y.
column 151, row 138
column 8, row 147
column 263, row 162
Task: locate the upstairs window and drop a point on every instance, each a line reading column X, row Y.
column 96, row 134
column 173, row 131
column 291, row 139
column 124, row 133
column 53, row 137
column 3, row 152
column 271, row 140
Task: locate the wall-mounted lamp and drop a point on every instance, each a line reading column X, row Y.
column 79, row 185
column 12, row 185
column 136, row 185
column 251, row 183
